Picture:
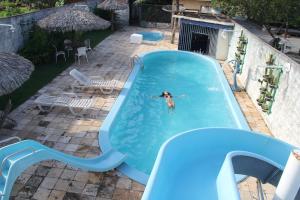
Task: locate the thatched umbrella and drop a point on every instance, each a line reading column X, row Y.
column 112, row 5
column 73, row 20
column 14, row 71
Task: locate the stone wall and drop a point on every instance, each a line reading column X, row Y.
column 284, row 120
column 13, row 41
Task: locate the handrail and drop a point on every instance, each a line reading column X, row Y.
column 260, row 190
column 137, row 59
column 15, row 153
column 10, row 138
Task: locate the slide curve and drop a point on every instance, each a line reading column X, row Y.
column 16, row 158
column 203, row 163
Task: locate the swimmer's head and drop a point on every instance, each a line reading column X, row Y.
column 166, row 94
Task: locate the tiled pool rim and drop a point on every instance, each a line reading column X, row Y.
column 104, row 141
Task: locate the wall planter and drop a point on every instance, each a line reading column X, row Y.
column 241, row 50
column 269, row 84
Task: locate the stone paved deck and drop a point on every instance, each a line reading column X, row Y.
column 79, row 136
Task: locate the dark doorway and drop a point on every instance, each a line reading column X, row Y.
column 200, row 43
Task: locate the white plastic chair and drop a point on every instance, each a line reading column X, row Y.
column 87, row 44
column 68, row 46
column 58, row 53
column 95, row 82
column 81, row 51
column 68, row 100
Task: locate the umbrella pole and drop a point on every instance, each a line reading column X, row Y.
column 10, row 123
column 112, row 20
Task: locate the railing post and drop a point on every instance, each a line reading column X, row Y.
column 289, row 183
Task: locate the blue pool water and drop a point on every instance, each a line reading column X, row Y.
column 202, row 97
column 152, row 36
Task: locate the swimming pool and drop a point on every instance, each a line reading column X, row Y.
column 140, row 122
column 152, row 36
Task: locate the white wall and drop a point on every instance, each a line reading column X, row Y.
column 222, row 44
column 284, row 121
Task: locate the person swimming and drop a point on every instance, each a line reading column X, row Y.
column 169, row 99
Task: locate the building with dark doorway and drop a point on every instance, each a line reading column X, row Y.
column 205, row 36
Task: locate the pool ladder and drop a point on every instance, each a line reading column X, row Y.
column 136, row 60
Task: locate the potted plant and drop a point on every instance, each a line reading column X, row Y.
column 260, row 100
column 270, row 60
column 263, row 89
column 244, row 41
column 265, row 107
column 269, row 95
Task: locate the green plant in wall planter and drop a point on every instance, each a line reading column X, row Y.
column 269, row 84
column 244, row 41
column 268, row 73
column 271, row 60
column 241, row 50
column 242, row 38
column 276, row 77
column 261, row 100
column 265, row 107
column 263, row 89
column 269, row 95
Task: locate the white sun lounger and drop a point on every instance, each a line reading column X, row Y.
column 106, row 87
column 69, row 100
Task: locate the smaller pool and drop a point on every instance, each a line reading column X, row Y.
column 152, row 36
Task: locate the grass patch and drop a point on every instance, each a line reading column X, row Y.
column 8, row 9
column 45, row 73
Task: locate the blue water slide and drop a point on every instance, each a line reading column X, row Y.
column 202, row 163
column 15, row 158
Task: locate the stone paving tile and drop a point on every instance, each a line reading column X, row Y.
column 68, row 174
column 34, row 181
column 62, row 185
column 23, row 178
column 124, row 183
column 41, row 194
column 95, row 178
column 91, row 190
column 72, row 196
column 121, row 194
column 42, row 171
column 49, row 183
column 76, row 187
column 137, row 186
column 61, row 130
column 56, row 195
column 82, row 176
column 16, row 189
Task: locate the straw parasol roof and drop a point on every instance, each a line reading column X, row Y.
column 73, row 20
column 14, row 71
column 112, row 5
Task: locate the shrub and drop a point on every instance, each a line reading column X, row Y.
column 13, row 8
column 39, row 47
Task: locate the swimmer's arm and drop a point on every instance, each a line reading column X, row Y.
column 180, row 96
column 155, row 97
